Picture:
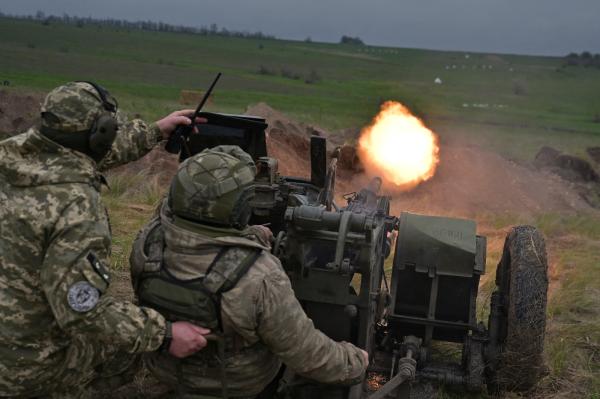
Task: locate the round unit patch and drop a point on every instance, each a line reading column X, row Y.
column 82, row 296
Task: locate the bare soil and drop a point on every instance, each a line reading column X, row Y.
column 472, row 180
column 18, row 111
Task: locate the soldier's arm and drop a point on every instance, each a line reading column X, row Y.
column 134, row 140
column 290, row 334
column 75, row 286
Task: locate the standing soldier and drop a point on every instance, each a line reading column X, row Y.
column 58, row 325
column 199, row 261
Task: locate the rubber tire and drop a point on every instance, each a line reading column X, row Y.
column 522, row 280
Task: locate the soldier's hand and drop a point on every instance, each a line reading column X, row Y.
column 187, row 339
column 168, row 124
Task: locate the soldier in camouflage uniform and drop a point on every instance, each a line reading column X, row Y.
column 198, row 260
column 57, row 323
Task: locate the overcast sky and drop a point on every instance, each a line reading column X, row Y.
column 549, row 27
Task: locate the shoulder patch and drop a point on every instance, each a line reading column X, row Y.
column 98, row 267
column 82, row 296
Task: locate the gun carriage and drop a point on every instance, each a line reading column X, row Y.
column 338, row 260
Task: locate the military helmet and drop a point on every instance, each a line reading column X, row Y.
column 214, row 187
column 81, row 116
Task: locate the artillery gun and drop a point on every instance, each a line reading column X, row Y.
column 338, row 260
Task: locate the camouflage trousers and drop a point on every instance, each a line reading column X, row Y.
column 90, row 367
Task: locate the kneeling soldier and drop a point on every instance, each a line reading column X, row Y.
column 199, row 261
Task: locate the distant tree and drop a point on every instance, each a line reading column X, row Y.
column 308, row 39
column 351, row 40
column 572, row 59
column 128, row 26
column 587, row 60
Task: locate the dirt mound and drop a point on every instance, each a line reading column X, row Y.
column 579, row 172
column 18, row 111
column 288, row 140
column 594, row 153
column 157, row 162
column 568, row 167
column 349, row 160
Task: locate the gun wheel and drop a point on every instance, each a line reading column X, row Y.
column 522, row 285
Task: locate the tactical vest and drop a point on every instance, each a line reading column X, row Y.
column 195, row 300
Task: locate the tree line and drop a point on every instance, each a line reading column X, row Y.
column 211, row 30
column 585, row 59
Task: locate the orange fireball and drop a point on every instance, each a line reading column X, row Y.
column 398, row 147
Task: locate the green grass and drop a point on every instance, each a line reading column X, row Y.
column 131, row 200
column 572, row 350
column 573, row 341
column 147, row 71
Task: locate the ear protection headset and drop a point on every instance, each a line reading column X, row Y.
column 98, row 139
column 103, row 131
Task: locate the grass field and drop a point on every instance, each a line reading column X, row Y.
column 511, row 104
column 501, row 95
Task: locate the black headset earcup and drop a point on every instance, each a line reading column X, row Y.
column 102, row 136
column 242, row 211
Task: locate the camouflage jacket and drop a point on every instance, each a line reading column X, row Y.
column 51, row 220
column 263, row 322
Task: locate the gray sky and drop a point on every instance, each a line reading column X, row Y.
column 545, row 27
